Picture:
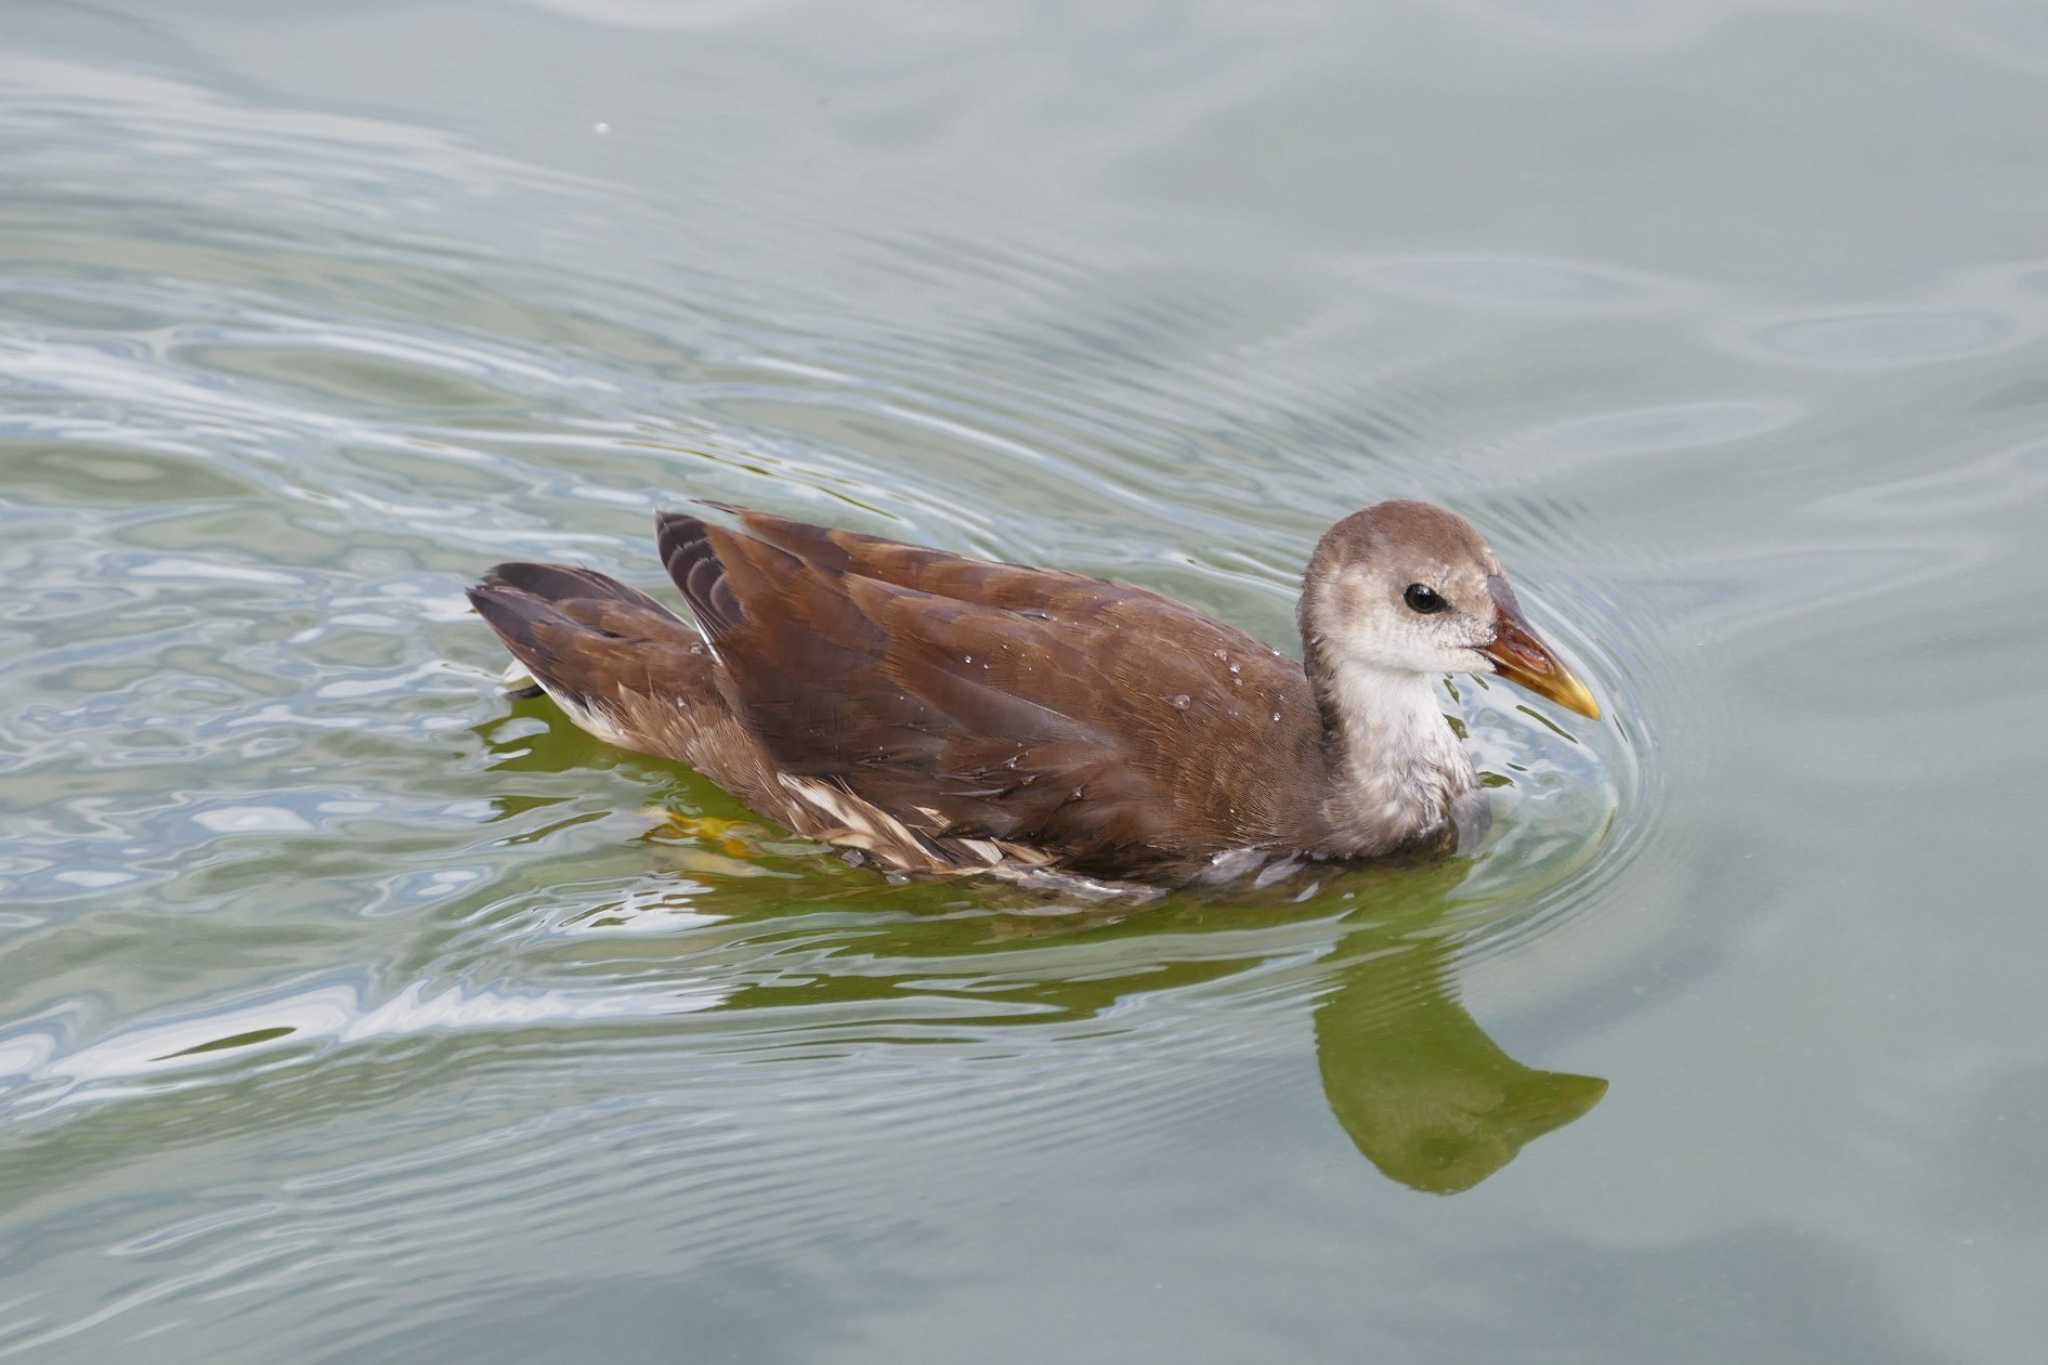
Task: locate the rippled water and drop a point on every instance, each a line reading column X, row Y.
column 350, row 1010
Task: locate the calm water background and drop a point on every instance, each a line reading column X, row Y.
column 350, row 1010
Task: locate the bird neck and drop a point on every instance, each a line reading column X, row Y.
column 1395, row 765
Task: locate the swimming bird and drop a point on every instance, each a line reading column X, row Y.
column 942, row 714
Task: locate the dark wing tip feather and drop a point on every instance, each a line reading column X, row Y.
column 687, row 552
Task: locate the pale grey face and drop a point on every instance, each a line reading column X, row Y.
column 1405, row 587
column 1424, row 616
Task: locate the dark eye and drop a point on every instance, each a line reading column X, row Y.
column 1423, row 599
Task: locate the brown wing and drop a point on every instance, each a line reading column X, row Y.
column 989, row 700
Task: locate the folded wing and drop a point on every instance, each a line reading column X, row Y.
column 981, row 700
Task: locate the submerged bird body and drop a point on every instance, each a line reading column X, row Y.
column 944, row 714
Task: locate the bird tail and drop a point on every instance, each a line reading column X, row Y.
column 587, row 640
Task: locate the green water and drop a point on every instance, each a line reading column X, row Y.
column 351, row 1010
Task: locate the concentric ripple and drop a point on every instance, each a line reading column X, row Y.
column 368, row 963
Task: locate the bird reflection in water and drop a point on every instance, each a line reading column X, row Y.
column 1422, row 1090
column 1413, row 1079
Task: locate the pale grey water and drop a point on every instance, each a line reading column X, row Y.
column 347, row 1013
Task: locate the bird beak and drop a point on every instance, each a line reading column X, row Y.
column 1520, row 656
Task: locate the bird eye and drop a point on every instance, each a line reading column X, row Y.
column 1424, row 599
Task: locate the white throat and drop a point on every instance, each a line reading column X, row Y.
column 1400, row 766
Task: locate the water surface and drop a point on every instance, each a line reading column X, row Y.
column 351, row 1010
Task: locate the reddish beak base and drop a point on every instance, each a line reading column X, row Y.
column 1520, row 656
